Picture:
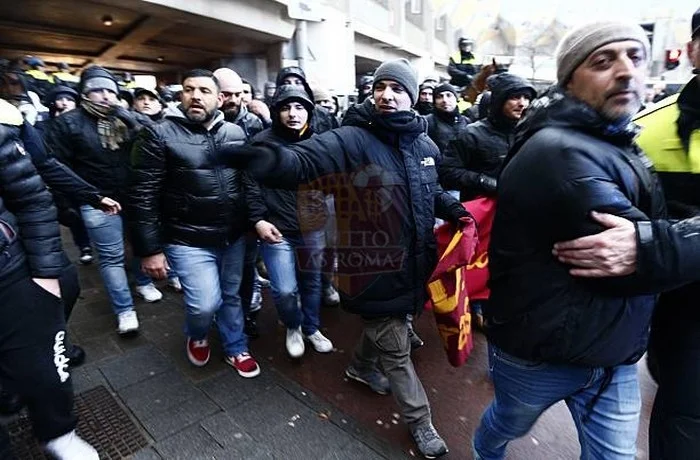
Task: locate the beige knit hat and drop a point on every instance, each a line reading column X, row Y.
column 578, row 44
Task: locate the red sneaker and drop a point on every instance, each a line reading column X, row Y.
column 245, row 365
column 198, row 351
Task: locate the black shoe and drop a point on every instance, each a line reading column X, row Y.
column 250, row 328
column 76, row 356
column 10, row 403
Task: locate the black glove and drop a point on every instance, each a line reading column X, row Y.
column 488, row 183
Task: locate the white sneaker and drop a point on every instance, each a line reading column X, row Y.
column 149, row 293
column 128, row 322
column 295, row 343
column 330, row 296
column 71, row 447
column 320, row 342
column 175, row 284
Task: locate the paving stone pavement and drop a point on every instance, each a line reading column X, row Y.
column 204, row 413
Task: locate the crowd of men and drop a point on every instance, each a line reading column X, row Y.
column 217, row 188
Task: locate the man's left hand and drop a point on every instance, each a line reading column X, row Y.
column 612, row 252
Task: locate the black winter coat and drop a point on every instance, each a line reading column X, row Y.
column 179, row 193
column 566, row 163
column 30, row 240
column 479, row 150
column 287, row 209
column 248, row 122
column 382, row 172
column 445, row 127
column 73, row 139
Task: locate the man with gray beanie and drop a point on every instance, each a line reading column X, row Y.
column 553, row 336
column 381, row 167
column 670, row 137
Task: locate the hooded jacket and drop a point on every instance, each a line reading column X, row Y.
column 322, row 120
column 287, row 209
column 568, row 161
column 179, row 193
column 478, row 152
column 30, row 240
column 382, row 172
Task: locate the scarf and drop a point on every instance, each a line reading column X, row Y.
column 110, row 129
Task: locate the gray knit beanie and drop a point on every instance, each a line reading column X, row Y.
column 578, row 44
column 402, row 72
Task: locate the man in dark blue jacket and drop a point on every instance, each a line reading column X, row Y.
column 552, row 336
column 381, row 167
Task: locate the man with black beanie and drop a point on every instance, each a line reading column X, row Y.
column 445, row 123
column 322, row 120
column 381, row 167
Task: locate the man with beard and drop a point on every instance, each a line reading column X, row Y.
column 185, row 205
column 424, row 106
column 236, row 111
column 473, row 159
column 670, row 137
column 234, row 108
column 389, row 139
column 94, row 141
column 553, row 336
column 364, row 88
column 445, row 123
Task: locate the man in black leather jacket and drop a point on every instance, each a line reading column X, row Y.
column 473, row 159
column 552, row 336
column 186, row 205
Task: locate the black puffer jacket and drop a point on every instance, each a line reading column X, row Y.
column 382, row 172
column 473, row 160
column 181, row 194
column 567, row 162
column 30, row 241
column 444, row 127
column 248, row 122
column 73, row 139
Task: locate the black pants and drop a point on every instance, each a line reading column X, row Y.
column 674, row 360
column 32, row 359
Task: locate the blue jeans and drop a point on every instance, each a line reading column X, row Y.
column 525, row 389
column 294, row 266
column 107, row 235
column 211, row 278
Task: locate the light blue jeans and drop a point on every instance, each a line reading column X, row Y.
column 211, row 278
column 294, row 266
column 525, row 389
column 107, row 236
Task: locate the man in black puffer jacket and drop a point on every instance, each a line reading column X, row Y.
column 197, row 211
column 553, row 336
column 445, row 123
column 94, row 141
column 473, row 160
column 32, row 332
column 381, row 167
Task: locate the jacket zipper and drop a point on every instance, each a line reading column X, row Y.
column 219, row 176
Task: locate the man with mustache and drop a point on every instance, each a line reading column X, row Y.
column 186, row 205
column 670, row 137
column 554, row 337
